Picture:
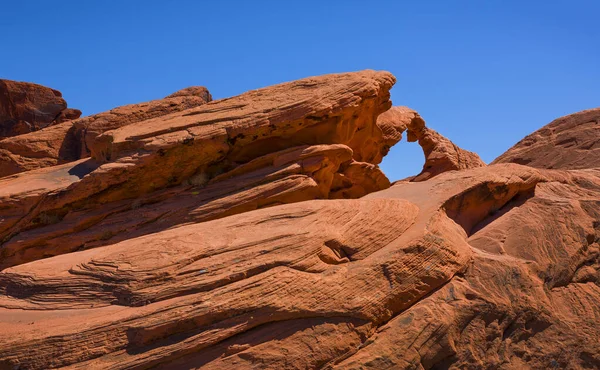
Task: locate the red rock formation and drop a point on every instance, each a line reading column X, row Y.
column 27, row 107
column 202, row 163
column 487, row 267
column 68, row 141
column 568, row 142
column 441, row 155
column 430, row 274
column 394, row 122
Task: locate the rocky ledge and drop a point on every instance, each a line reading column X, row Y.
column 27, row 107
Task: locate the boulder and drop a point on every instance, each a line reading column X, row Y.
column 26, row 107
column 68, row 141
column 569, row 142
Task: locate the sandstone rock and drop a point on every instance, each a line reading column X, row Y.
column 489, row 267
column 569, row 142
column 27, row 107
column 356, row 179
column 441, row 155
column 68, row 141
column 74, row 220
column 327, row 109
column 88, row 128
column 225, row 160
column 395, row 121
column 398, row 279
column 521, row 293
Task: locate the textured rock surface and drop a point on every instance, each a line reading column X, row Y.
column 221, row 163
column 27, row 107
column 394, row 122
column 441, row 155
column 568, row 142
column 487, row 267
column 68, row 141
column 339, row 109
column 159, row 252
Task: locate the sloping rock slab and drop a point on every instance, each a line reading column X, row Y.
column 177, row 177
column 398, row 279
column 27, row 107
column 68, row 141
column 569, row 142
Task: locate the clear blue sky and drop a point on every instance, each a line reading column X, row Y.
column 483, row 73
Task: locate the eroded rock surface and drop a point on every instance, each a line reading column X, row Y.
column 287, row 143
column 27, row 107
column 242, row 253
column 441, row 154
column 421, row 275
column 569, row 142
column 68, row 141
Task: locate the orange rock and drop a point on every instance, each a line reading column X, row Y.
column 568, row 142
column 27, row 107
column 399, row 277
column 441, row 155
column 88, row 128
column 174, row 178
column 396, row 120
column 487, row 267
column 68, row 141
column 357, row 179
column 320, row 110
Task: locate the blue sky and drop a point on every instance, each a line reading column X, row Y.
column 483, row 73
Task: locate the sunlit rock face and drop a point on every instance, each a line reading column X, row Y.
column 441, row 154
column 258, row 232
column 569, row 142
column 68, row 141
column 310, row 139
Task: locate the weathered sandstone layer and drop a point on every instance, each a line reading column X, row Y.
column 27, row 107
column 68, row 141
column 315, row 138
column 223, row 237
column 441, row 154
column 569, row 142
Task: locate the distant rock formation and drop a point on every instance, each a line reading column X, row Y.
column 569, row 142
column 26, row 107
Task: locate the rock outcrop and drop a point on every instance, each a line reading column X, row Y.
column 262, row 148
column 569, row 142
column 222, row 237
column 27, row 107
column 486, row 267
column 68, row 141
column 441, row 154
